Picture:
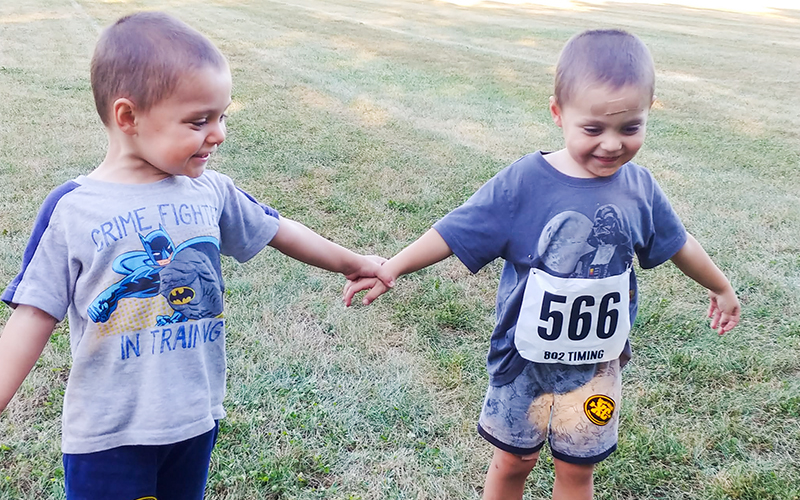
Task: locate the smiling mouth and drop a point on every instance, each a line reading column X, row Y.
column 607, row 159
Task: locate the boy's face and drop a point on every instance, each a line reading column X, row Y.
column 177, row 135
column 603, row 128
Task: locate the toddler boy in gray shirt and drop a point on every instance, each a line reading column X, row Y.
column 131, row 252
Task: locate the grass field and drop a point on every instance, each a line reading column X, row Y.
column 368, row 120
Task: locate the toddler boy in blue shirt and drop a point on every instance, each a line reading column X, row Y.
column 568, row 225
column 131, row 252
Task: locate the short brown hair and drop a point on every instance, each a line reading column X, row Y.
column 142, row 56
column 612, row 57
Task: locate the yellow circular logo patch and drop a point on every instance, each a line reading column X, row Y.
column 599, row 409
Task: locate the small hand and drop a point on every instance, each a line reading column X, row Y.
column 368, row 267
column 724, row 310
column 372, row 267
column 375, row 286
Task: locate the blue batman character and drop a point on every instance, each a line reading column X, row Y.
column 188, row 276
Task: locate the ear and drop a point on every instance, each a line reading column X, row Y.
column 125, row 115
column 555, row 111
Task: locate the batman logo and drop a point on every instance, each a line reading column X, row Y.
column 181, row 295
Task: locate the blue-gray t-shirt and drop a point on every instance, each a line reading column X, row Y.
column 534, row 216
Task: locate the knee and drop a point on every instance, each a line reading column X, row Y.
column 573, row 473
column 513, row 465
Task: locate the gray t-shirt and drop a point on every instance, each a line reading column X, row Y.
column 137, row 268
column 533, row 216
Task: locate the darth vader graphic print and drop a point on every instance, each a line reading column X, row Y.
column 573, row 245
column 576, row 309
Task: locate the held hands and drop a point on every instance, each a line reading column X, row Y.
column 724, row 310
column 372, row 275
column 375, row 286
column 368, row 266
column 429, row 249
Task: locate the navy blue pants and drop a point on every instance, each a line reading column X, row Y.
column 167, row 472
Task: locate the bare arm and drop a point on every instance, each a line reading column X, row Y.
column 695, row 263
column 429, row 249
column 301, row 243
column 22, row 342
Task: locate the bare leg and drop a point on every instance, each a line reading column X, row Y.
column 573, row 482
column 507, row 473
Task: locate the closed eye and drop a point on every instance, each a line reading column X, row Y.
column 631, row 129
column 200, row 123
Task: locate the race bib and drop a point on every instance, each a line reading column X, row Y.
column 573, row 321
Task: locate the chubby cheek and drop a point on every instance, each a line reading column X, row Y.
column 638, row 139
column 585, row 147
column 186, row 147
column 635, row 143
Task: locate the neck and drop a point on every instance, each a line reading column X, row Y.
column 122, row 165
column 563, row 162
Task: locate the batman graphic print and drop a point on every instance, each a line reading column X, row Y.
column 188, row 276
column 136, row 268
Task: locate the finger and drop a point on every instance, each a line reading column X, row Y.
column 729, row 322
column 347, row 298
column 373, row 294
column 723, row 325
column 712, row 306
column 346, row 295
column 356, row 287
column 717, row 314
column 350, row 283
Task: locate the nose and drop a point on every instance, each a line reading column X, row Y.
column 611, row 142
column 216, row 134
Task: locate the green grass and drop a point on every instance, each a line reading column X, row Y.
column 368, row 120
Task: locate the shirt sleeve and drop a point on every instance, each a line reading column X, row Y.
column 667, row 235
column 478, row 231
column 246, row 226
column 45, row 280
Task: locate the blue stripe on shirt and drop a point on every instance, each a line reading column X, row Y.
column 267, row 209
column 39, row 227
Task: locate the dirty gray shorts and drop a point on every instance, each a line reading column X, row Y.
column 575, row 407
